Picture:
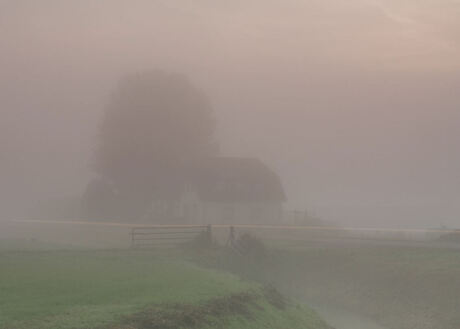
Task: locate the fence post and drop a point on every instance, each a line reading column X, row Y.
column 132, row 237
column 231, row 237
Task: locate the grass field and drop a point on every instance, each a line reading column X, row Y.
column 399, row 287
column 99, row 289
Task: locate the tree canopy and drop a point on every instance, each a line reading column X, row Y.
column 154, row 121
column 154, row 124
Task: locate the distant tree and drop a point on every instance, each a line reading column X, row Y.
column 155, row 123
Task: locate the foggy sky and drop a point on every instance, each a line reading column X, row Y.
column 354, row 102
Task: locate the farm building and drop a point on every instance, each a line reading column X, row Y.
column 222, row 190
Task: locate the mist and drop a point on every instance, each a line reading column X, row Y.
column 353, row 103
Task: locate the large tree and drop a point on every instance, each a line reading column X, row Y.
column 154, row 125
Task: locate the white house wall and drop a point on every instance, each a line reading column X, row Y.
column 191, row 209
column 240, row 213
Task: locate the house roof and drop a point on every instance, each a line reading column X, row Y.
column 228, row 179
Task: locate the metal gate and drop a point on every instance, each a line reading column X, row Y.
column 166, row 235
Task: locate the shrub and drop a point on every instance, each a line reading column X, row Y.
column 250, row 245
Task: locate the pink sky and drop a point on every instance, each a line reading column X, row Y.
column 354, row 102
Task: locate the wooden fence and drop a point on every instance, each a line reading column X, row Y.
column 174, row 235
column 166, row 236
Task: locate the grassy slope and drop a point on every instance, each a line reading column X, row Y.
column 271, row 318
column 86, row 289
column 400, row 287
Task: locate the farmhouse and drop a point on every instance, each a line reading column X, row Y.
column 222, row 190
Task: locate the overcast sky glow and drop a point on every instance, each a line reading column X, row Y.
column 355, row 102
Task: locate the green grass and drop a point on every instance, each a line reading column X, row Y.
column 92, row 289
column 15, row 245
column 399, row 287
column 270, row 317
column 80, row 288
